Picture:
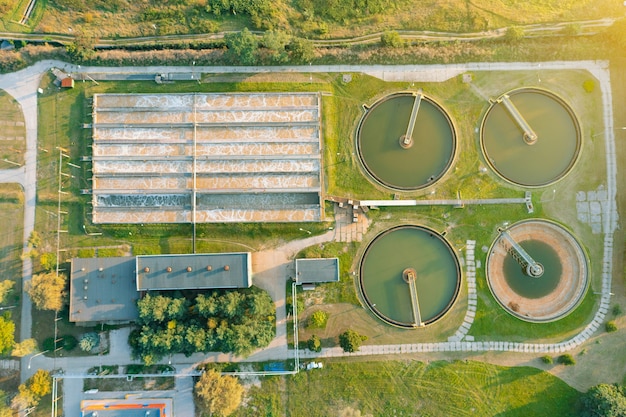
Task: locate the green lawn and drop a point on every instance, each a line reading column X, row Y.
column 411, row 388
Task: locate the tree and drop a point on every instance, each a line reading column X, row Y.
column 604, row 400
column 47, row 291
column 350, row 341
column 25, row 347
column 301, row 50
column 5, row 411
column 7, row 335
column 314, row 344
column 242, row 47
column 392, row 39
column 318, row 319
column 48, row 261
column 220, row 395
column 83, row 47
column 40, row 383
column 274, row 44
column 89, row 341
column 24, row 399
column 5, row 288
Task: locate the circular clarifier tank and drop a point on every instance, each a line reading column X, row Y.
column 537, row 271
column 406, row 141
column 409, row 276
column 530, row 137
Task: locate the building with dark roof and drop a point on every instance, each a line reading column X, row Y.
column 106, row 290
column 103, row 290
column 194, row 271
column 317, row 271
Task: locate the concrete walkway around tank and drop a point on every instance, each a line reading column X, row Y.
column 274, row 265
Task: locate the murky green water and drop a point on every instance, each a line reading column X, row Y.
column 380, row 150
column 550, row 157
column 415, row 247
column 527, row 286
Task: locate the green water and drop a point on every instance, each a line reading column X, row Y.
column 411, row 246
column 527, row 286
column 550, row 157
column 380, row 150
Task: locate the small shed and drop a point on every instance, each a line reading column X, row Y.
column 67, row 82
column 317, row 270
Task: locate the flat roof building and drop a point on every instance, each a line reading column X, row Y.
column 317, row 270
column 106, row 290
column 103, row 290
column 195, row 271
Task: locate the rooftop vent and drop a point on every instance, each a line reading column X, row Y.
column 146, row 269
column 189, row 269
column 227, row 268
column 168, row 269
column 209, row 268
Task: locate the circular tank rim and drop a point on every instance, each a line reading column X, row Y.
column 584, row 266
column 448, row 306
column 369, row 173
column 568, row 109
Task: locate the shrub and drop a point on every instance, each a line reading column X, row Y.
column 89, row 341
column 314, row 344
column 616, row 310
column 567, row 360
column 589, row 86
column 610, row 326
column 604, row 400
column 318, row 320
column 391, row 39
column 547, row 359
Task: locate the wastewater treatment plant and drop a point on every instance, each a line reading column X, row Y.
column 449, row 188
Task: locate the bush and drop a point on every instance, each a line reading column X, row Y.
column 610, row 326
column 89, row 341
column 589, row 86
column 314, row 344
column 391, row 39
column 567, row 360
column 547, row 359
column 616, row 310
column 318, row 320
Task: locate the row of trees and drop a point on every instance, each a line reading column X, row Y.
column 226, row 321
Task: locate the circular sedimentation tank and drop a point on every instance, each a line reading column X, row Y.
column 409, row 268
column 401, row 158
column 537, row 297
column 530, row 137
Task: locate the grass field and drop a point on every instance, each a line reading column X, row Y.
column 12, row 133
column 411, row 388
column 304, row 18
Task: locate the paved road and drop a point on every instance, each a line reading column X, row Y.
column 274, row 266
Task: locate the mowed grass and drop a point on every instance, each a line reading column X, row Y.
column 12, row 133
column 411, row 388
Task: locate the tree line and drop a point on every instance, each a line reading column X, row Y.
column 224, row 321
